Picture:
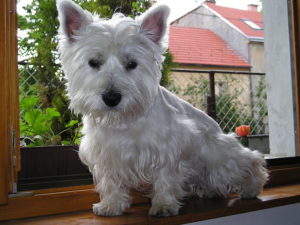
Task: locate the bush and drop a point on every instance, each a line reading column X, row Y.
column 36, row 123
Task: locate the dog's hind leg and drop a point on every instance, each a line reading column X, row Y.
column 232, row 168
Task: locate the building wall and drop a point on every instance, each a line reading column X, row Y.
column 257, row 57
column 202, row 17
column 182, row 81
column 279, row 79
column 194, row 88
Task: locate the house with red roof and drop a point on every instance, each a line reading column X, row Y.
column 203, row 48
column 212, row 36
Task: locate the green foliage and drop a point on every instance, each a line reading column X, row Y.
column 36, row 123
column 197, row 92
column 231, row 112
column 39, row 49
column 39, row 46
column 74, row 126
column 260, row 109
column 166, row 70
column 106, row 8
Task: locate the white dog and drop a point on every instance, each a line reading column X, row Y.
column 137, row 133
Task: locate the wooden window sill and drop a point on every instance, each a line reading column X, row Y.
column 194, row 210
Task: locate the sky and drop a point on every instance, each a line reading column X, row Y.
column 180, row 7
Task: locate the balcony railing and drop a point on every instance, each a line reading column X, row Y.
column 231, row 98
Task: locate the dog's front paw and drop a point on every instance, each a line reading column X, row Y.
column 163, row 210
column 109, row 209
column 250, row 193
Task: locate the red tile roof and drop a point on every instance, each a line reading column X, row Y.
column 202, row 47
column 235, row 17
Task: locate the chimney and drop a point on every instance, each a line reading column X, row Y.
column 252, row 7
column 153, row 2
column 211, row 1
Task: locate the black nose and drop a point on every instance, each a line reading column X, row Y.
column 112, row 98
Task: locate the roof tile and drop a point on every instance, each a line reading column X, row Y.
column 202, row 46
column 236, row 16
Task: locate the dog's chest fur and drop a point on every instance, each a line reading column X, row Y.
column 146, row 145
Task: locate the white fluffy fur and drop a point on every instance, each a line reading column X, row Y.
column 151, row 138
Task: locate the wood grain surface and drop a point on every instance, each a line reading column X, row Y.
column 195, row 209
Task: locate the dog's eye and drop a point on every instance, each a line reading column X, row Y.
column 131, row 65
column 95, row 63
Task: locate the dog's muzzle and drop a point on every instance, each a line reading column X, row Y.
column 112, row 98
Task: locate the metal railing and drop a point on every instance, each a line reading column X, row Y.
column 232, row 98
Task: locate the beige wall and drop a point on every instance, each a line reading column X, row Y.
column 257, row 57
column 184, row 80
column 230, row 83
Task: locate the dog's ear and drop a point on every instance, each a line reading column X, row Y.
column 72, row 18
column 154, row 23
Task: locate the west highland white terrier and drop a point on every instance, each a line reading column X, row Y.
column 137, row 133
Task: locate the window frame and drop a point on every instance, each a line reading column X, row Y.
column 251, row 24
column 57, row 200
column 9, row 125
column 295, row 28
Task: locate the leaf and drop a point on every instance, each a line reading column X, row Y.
column 30, row 116
column 50, row 113
column 66, row 142
column 72, row 123
column 28, row 103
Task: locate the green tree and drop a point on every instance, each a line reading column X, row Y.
column 39, row 49
column 106, row 8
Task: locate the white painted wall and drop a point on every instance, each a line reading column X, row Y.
column 283, row 215
column 279, row 78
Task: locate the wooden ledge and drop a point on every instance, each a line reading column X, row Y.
column 194, row 210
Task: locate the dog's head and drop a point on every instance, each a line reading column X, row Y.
column 112, row 66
